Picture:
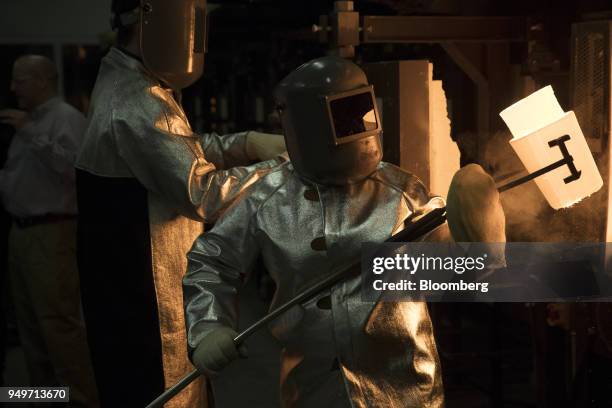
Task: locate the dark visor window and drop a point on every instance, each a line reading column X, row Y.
column 353, row 114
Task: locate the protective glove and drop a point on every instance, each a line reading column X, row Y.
column 264, row 146
column 216, row 350
column 473, row 207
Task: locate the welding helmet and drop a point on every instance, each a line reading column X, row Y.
column 173, row 36
column 330, row 120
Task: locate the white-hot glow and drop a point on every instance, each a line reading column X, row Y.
column 444, row 156
column 534, row 112
column 369, row 118
column 538, row 119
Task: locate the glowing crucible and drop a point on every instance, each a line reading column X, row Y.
column 544, row 134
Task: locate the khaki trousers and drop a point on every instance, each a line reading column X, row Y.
column 45, row 289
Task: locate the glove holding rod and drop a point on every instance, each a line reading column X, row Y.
column 437, row 217
column 566, row 160
column 412, row 232
column 588, row 181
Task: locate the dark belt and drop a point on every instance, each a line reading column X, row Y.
column 26, row 222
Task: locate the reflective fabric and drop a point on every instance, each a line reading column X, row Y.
column 334, row 346
column 138, row 130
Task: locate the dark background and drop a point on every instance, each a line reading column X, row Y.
column 493, row 355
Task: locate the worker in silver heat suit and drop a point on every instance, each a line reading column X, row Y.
column 145, row 184
column 310, row 215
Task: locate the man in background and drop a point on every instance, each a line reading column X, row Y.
column 37, row 187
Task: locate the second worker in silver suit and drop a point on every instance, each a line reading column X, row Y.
column 310, row 215
column 145, row 183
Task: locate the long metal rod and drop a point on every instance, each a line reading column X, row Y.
column 175, row 389
column 312, row 291
column 412, row 232
column 535, row 174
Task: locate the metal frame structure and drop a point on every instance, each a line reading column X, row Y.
column 479, row 46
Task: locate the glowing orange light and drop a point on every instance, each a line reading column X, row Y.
column 538, row 119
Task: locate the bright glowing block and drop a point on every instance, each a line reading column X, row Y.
column 444, row 156
column 538, row 119
column 532, row 113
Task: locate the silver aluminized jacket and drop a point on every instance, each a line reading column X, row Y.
column 380, row 354
column 138, row 130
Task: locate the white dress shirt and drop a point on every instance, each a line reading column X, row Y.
column 38, row 178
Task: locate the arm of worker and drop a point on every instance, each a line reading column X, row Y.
column 165, row 156
column 475, row 213
column 218, row 263
column 241, row 149
column 474, row 210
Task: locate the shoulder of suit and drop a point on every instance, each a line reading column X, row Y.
column 127, row 91
column 399, row 179
column 270, row 183
column 415, row 193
